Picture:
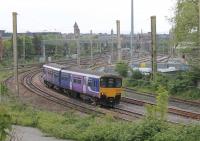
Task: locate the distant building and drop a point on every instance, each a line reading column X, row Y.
column 2, row 32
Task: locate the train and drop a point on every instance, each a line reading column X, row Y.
column 98, row 88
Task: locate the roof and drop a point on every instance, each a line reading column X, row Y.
column 78, row 70
column 54, row 66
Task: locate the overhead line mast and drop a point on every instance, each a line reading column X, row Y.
column 132, row 29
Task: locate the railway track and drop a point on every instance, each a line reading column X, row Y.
column 171, row 109
column 171, row 98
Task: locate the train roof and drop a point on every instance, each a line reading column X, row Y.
column 54, row 66
column 89, row 73
column 79, row 71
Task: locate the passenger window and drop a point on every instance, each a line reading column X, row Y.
column 89, row 82
column 66, row 77
column 118, row 83
column 77, row 80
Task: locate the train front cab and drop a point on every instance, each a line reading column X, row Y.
column 110, row 90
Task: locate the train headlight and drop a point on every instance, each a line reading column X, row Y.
column 102, row 94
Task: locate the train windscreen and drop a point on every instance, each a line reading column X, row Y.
column 110, row 82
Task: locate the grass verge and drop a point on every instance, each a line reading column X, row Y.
column 92, row 128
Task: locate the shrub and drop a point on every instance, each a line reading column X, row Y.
column 136, row 74
column 146, row 130
column 5, row 123
column 122, row 69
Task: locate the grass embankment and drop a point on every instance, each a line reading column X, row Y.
column 91, row 128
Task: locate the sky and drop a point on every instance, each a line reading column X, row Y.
column 97, row 15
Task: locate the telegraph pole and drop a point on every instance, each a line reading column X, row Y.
column 91, row 47
column 132, row 29
column 154, row 47
column 118, row 41
column 44, row 50
column 14, row 14
column 77, row 36
column 112, row 45
column 56, row 50
column 1, row 48
column 199, row 22
column 24, row 48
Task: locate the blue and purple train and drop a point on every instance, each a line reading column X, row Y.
column 100, row 89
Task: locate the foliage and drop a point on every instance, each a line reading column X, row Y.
column 183, row 84
column 159, row 111
column 69, row 125
column 7, row 44
column 37, row 44
column 122, row 69
column 3, row 92
column 179, row 133
column 186, row 29
column 162, row 102
column 186, row 21
column 136, row 74
column 5, row 123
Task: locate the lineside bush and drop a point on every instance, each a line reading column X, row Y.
column 91, row 128
column 5, row 123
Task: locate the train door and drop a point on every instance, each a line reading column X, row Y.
column 65, row 80
column 77, row 83
column 85, row 84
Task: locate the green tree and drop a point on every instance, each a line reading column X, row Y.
column 122, row 69
column 7, row 44
column 186, row 21
column 37, row 44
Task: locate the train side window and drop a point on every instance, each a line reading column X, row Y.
column 90, row 82
column 56, row 74
column 77, row 80
column 66, row 77
column 118, row 83
column 94, row 83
